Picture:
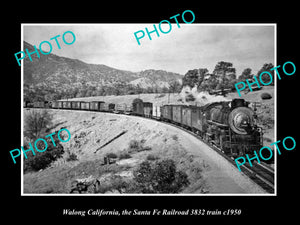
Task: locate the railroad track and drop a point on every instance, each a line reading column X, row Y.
column 260, row 173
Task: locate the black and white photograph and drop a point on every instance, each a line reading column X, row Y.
column 156, row 118
column 146, row 113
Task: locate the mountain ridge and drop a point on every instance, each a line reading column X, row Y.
column 55, row 69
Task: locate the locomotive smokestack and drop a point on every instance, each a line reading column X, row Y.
column 238, row 102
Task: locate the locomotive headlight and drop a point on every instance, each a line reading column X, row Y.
column 241, row 120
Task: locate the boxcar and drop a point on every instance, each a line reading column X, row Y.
column 177, row 113
column 95, row 105
column 102, row 106
column 128, row 109
column 187, row 116
column 39, row 104
column 197, row 119
column 120, row 108
column 166, row 112
column 85, row 105
column 75, row 105
column 147, row 109
column 66, row 105
column 138, row 108
column 156, row 111
column 57, row 105
column 107, row 107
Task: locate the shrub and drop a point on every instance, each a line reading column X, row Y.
column 112, row 155
column 160, row 177
column 124, row 155
column 152, row 157
column 175, row 137
column 72, row 157
column 134, row 145
column 137, row 146
column 43, row 159
column 265, row 96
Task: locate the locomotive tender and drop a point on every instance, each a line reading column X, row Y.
column 229, row 125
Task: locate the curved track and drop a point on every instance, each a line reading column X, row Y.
column 261, row 174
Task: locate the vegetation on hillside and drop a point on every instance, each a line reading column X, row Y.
column 76, row 79
column 223, row 77
column 159, row 177
column 37, row 125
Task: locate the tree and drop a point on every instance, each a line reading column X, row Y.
column 209, row 84
column 265, row 77
column 100, row 91
column 223, row 68
column 165, row 89
column 194, row 77
column 36, row 123
column 174, row 86
column 246, row 74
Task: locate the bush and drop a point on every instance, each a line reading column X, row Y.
column 134, row 145
column 72, row 157
column 175, row 137
column 152, row 157
column 112, row 155
column 137, row 146
column 265, row 96
column 124, row 155
column 160, row 177
column 43, row 159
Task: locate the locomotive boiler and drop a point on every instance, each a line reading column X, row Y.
column 232, row 127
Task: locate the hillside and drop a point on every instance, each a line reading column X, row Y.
column 207, row 171
column 60, row 74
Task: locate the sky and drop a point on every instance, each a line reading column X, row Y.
column 191, row 46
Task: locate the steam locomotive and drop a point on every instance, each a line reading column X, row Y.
column 229, row 125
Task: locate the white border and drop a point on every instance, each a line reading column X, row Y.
column 104, row 195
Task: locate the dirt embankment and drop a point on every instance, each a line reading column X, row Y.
column 207, row 171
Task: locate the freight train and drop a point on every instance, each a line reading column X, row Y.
column 229, row 125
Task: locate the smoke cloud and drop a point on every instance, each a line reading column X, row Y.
column 200, row 98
